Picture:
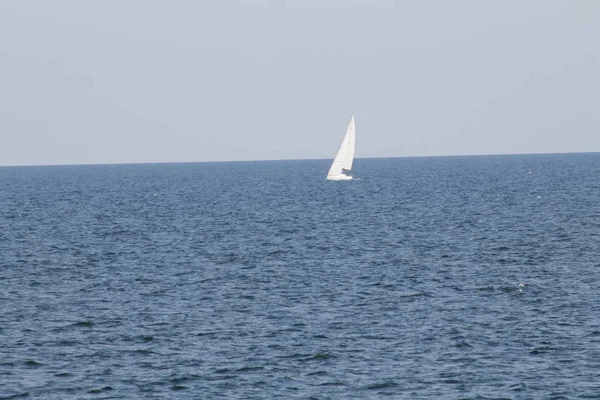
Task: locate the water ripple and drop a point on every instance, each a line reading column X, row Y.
column 445, row 278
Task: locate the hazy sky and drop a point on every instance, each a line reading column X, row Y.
column 117, row 81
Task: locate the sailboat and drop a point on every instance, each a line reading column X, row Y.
column 342, row 164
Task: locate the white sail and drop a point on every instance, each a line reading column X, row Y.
column 345, row 155
column 351, row 135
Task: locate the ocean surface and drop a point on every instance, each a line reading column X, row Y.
column 425, row 278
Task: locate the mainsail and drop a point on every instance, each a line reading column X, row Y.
column 345, row 155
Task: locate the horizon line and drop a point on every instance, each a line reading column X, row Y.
column 287, row 159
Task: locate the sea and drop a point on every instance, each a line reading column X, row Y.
column 423, row 278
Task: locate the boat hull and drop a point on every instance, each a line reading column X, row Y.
column 339, row 178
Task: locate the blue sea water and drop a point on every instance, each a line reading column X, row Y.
column 426, row 278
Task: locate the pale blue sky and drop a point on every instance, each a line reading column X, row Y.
column 165, row 81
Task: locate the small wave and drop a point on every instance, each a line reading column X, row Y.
column 101, row 390
column 145, row 352
column 451, row 381
column 209, row 334
column 501, row 248
column 381, row 385
column 249, row 369
column 182, row 379
column 33, row 364
column 221, row 377
column 16, row 396
column 333, row 383
column 317, row 373
column 517, row 387
column 144, row 280
column 377, row 337
column 542, row 350
column 412, row 294
column 291, row 356
column 310, row 357
column 222, row 371
column 320, row 356
column 66, row 343
column 7, row 364
column 84, row 324
column 462, row 345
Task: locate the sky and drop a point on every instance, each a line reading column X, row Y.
column 108, row 81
